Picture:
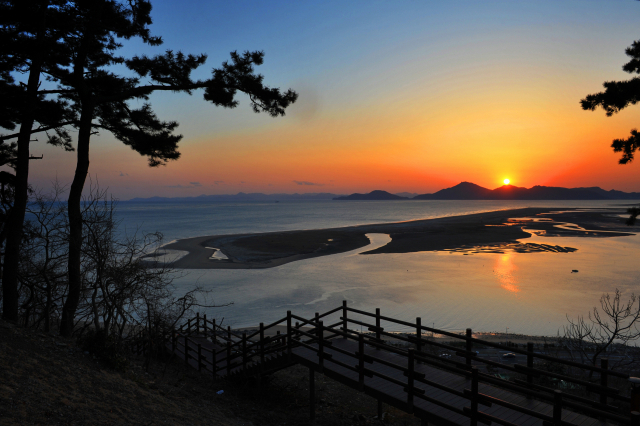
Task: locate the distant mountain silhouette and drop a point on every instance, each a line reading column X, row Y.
column 462, row 191
column 471, row 191
column 373, row 195
column 614, row 194
column 406, row 194
column 240, row 196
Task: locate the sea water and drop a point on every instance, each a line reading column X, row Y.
column 524, row 293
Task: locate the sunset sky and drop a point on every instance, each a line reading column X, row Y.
column 394, row 95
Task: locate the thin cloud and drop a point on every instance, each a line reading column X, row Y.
column 191, row 185
column 124, row 174
column 218, row 182
column 305, row 183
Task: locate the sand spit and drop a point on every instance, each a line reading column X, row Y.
column 482, row 232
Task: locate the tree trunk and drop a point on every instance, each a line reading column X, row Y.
column 75, row 221
column 15, row 220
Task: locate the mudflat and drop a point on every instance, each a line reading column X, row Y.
column 494, row 231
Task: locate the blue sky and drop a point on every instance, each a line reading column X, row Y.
column 396, row 95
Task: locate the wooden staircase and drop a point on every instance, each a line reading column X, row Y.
column 459, row 389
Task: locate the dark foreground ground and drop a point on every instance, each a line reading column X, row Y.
column 46, row 380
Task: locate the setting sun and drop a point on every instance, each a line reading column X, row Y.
column 506, row 181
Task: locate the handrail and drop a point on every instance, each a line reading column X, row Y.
column 551, row 358
column 246, row 351
column 487, row 343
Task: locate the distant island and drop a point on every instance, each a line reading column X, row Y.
column 373, row 195
column 471, row 191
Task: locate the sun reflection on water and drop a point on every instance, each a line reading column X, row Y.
column 504, row 270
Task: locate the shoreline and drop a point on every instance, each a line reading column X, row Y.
column 493, row 231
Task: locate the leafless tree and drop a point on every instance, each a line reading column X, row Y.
column 42, row 271
column 613, row 327
column 125, row 293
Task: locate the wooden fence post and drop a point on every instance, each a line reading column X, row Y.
column 186, row 352
column 197, row 322
column 361, row 361
column 474, row 396
column 604, row 379
column 262, row 343
column 244, row 350
column 214, row 362
column 557, row 407
column 228, row 359
column 204, row 321
column 344, row 316
column 289, row 342
column 320, row 334
column 229, row 332
column 469, row 345
column 199, row 357
column 419, row 334
column 213, row 330
column 377, row 326
column 410, row 376
column 529, row 363
column 173, row 339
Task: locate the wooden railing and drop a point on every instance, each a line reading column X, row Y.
column 559, row 399
column 233, row 352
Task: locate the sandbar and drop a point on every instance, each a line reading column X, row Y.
column 494, row 231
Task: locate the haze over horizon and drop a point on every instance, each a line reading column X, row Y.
column 395, row 96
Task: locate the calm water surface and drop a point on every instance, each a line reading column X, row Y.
column 530, row 293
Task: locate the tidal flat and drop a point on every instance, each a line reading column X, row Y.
column 516, row 272
column 488, row 232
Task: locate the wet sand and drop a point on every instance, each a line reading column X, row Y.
column 482, row 232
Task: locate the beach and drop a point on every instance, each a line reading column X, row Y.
column 494, row 231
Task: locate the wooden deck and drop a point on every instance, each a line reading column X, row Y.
column 395, row 394
column 452, row 390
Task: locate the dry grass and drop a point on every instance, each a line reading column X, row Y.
column 46, row 380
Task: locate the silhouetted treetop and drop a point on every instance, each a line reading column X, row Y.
column 617, row 96
column 141, row 130
column 239, row 76
column 28, row 30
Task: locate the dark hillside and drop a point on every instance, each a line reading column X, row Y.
column 46, row 380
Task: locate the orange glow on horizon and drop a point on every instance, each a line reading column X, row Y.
column 413, row 139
